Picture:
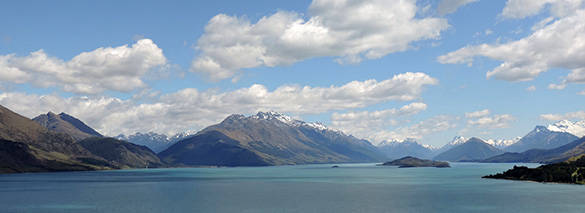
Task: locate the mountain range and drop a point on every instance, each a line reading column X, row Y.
column 156, row 142
column 395, row 149
column 60, row 142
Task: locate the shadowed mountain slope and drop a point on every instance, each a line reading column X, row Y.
column 66, row 124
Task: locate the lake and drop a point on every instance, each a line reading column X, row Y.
column 304, row 188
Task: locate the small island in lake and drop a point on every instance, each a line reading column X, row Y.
column 571, row 171
column 410, row 161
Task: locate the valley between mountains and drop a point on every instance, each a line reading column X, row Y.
column 60, row 142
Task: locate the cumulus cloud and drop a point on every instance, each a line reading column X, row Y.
column 525, row 8
column 191, row 109
column 366, row 124
column 419, row 130
column 567, row 116
column 105, row 69
column 450, row 6
column 558, row 44
column 493, row 122
column 530, row 88
column 477, row 114
column 349, row 30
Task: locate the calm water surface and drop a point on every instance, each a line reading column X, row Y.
column 307, row 188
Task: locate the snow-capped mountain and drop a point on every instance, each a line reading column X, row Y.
column 542, row 138
column 500, row 144
column 288, row 120
column 408, row 147
column 574, row 128
column 156, row 142
column 471, row 150
column 396, row 142
column 269, row 138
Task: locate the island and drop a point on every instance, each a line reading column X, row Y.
column 571, row 171
column 409, row 161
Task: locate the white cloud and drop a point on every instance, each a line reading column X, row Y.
column 525, row 8
column 557, row 86
column 530, row 88
column 191, row 109
column 115, row 69
column 567, row 116
column 560, row 44
column 450, row 6
column 419, row 130
column 366, row 124
column 477, row 114
column 349, row 30
column 494, row 122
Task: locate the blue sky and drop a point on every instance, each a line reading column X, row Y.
column 379, row 70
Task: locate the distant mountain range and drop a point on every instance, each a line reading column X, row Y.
column 270, row 138
column 395, row 149
column 156, row 142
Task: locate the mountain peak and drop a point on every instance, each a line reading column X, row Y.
column 66, row 124
column 395, row 142
column 575, row 128
column 272, row 116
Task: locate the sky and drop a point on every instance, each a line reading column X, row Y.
column 376, row 69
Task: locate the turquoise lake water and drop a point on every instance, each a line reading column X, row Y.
column 305, row 188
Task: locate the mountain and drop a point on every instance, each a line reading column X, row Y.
column 409, row 147
column 122, row 154
column 500, row 144
column 270, row 138
column 558, row 154
column 66, row 124
column 573, row 128
column 457, row 140
column 570, row 171
column 472, row 150
column 26, row 146
column 156, row 142
column 542, row 138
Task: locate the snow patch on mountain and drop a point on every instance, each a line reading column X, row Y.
column 288, row 120
column 574, row 128
column 500, row 144
column 396, row 142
